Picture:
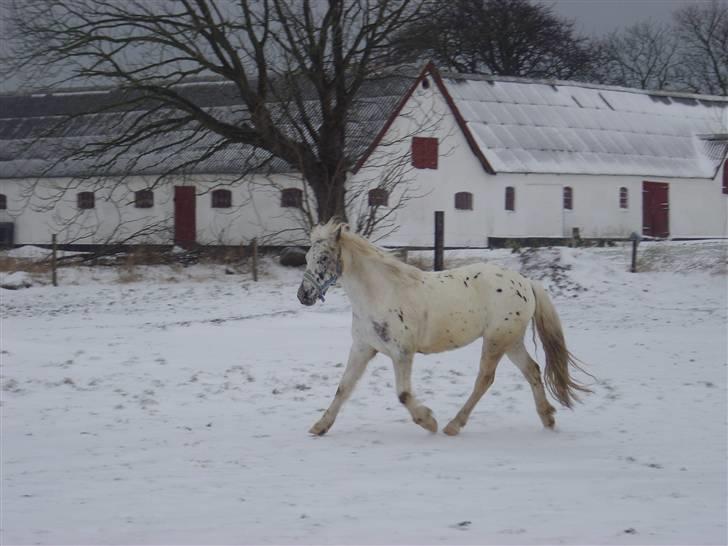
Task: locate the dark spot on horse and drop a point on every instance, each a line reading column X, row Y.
column 506, row 318
column 499, row 275
column 499, row 290
column 518, row 313
column 467, row 278
column 465, row 283
column 400, row 314
column 382, row 330
column 403, row 397
column 476, row 275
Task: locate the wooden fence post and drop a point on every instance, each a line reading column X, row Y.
column 54, row 264
column 575, row 237
column 439, row 240
column 255, row 259
column 635, row 241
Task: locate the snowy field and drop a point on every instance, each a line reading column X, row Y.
column 171, row 406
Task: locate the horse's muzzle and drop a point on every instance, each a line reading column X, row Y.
column 306, row 297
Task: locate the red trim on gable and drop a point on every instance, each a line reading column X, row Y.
column 430, row 70
column 459, row 118
column 391, row 118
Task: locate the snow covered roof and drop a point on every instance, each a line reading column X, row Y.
column 513, row 125
column 532, row 126
column 36, row 134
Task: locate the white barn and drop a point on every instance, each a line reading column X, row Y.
column 504, row 158
column 509, row 158
column 130, row 195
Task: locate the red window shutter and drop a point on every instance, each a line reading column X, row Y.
column 725, row 177
column 464, row 200
column 424, row 152
column 222, row 199
column 292, row 197
column 144, row 199
column 378, row 197
column 86, row 200
column 568, row 198
column 510, row 198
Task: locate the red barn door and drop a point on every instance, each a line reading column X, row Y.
column 655, row 209
column 185, row 215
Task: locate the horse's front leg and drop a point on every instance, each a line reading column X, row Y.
column 422, row 415
column 359, row 355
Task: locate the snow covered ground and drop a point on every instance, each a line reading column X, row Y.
column 171, row 406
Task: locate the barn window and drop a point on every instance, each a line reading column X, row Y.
column 3, row 201
column 464, row 200
column 292, row 197
column 424, row 153
column 144, row 199
column 725, row 177
column 222, row 199
column 568, row 198
column 623, row 198
column 86, row 200
column 378, row 197
column 510, row 198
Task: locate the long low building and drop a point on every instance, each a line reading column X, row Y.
column 503, row 158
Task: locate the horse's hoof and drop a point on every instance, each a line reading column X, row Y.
column 452, row 429
column 547, row 418
column 426, row 420
column 318, row 429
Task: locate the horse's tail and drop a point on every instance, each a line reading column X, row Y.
column 558, row 358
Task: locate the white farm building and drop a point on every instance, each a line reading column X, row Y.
column 504, row 158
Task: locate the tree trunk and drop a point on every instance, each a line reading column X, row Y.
column 330, row 195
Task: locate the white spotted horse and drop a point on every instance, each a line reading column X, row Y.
column 399, row 310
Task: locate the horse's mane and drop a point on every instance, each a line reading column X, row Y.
column 359, row 246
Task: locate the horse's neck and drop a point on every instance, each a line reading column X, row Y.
column 363, row 277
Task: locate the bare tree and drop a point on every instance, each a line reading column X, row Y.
column 703, row 32
column 297, row 68
column 642, row 55
column 506, row 37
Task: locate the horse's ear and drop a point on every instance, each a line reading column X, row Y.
column 344, row 227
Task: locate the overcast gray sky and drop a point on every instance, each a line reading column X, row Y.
column 597, row 17
column 592, row 17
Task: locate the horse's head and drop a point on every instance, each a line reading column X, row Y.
column 323, row 262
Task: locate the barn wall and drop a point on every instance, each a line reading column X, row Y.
column 256, row 212
column 540, row 213
column 698, row 208
column 427, row 115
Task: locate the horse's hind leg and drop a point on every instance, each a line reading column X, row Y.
column 489, row 359
column 359, row 357
column 422, row 415
column 520, row 357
